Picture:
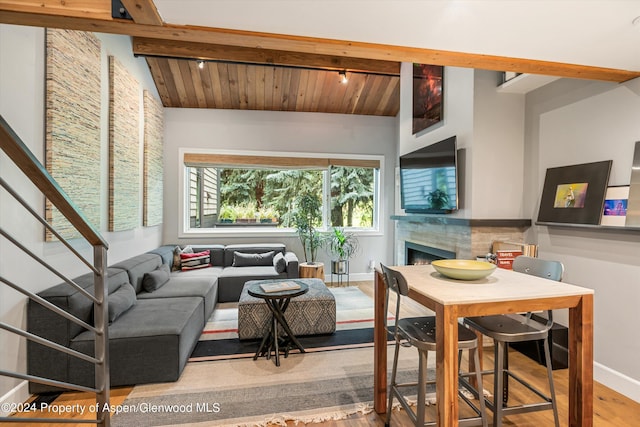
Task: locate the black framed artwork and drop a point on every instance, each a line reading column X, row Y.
column 428, row 95
column 575, row 194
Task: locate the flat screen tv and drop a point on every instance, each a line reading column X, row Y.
column 429, row 178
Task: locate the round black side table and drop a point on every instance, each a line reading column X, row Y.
column 277, row 303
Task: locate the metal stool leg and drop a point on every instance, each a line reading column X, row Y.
column 422, row 389
column 394, row 370
column 498, row 384
column 505, row 378
column 483, row 408
column 554, row 404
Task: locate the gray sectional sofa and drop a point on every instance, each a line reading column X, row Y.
column 153, row 329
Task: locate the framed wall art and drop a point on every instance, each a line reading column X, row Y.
column 575, row 194
column 153, row 161
column 124, row 148
column 615, row 206
column 428, row 96
column 72, row 109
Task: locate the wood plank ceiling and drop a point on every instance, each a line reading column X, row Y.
column 182, row 83
column 262, row 71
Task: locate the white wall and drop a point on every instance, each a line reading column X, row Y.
column 282, row 132
column 489, row 126
column 22, row 78
column 571, row 122
column 497, row 152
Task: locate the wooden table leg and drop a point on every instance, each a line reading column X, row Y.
column 581, row 363
column 447, row 365
column 379, row 346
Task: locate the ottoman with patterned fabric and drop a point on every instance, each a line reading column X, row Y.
column 310, row 314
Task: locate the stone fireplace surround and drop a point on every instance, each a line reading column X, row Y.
column 467, row 238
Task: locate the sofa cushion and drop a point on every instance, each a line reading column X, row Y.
column 154, row 280
column 177, row 260
column 247, row 248
column 279, row 263
column 216, row 251
column 188, row 285
column 137, row 266
column 148, row 344
column 241, row 259
column 195, row 260
column 166, row 253
column 72, row 301
column 120, row 301
column 232, row 279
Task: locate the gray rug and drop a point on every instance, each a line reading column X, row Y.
column 311, row 387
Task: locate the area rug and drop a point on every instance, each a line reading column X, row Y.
column 354, row 328
column 311, row 387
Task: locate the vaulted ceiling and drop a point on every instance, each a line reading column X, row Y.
column 268, row 71
column 259, row 79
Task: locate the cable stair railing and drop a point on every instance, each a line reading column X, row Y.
column 24, row 159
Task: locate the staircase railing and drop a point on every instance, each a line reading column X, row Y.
column 24, row 159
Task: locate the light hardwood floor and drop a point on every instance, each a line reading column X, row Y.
column 611, row 409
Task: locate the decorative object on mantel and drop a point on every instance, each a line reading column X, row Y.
column 428, row 96
column 72, row 108
column 153, row 160
column 124, row 148
column 574, row 194
column 614, row 212
column 633, row 208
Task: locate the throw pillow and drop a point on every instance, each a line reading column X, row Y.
column 196, row 260
column 176, row 256
column 279, row 262
column 241, row 259
column 155, row 279
column 121, row 300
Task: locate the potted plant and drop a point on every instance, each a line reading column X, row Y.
column 227, row 214
column 307, row 214
column 246, row 213
column 342, row 245
column 268, row 214
column 438, row 199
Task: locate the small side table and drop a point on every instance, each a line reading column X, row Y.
column 277, row 303
column 311, row 271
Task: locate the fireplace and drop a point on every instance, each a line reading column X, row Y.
column 421, row 254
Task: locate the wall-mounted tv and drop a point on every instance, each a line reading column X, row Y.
column 429, row 178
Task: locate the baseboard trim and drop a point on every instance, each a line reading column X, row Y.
column 18, row 394
column 617, row 381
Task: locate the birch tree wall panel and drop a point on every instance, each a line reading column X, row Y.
column 124, row 148
column 73, row 124
column 153, row 160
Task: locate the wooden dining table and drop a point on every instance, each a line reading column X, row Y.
column 504, row 291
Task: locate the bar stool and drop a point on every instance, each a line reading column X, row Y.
column 420, row 332
column 508, row 328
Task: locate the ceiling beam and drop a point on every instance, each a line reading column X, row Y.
column 12, row 15
column 143, row 11
column 215, row 52
column 90, row 9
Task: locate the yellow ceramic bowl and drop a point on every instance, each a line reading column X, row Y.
column 463, row 269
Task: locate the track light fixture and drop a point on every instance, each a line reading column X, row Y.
column 201, row 64
column 343, row 76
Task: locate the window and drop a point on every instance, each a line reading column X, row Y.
column 262, row 196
